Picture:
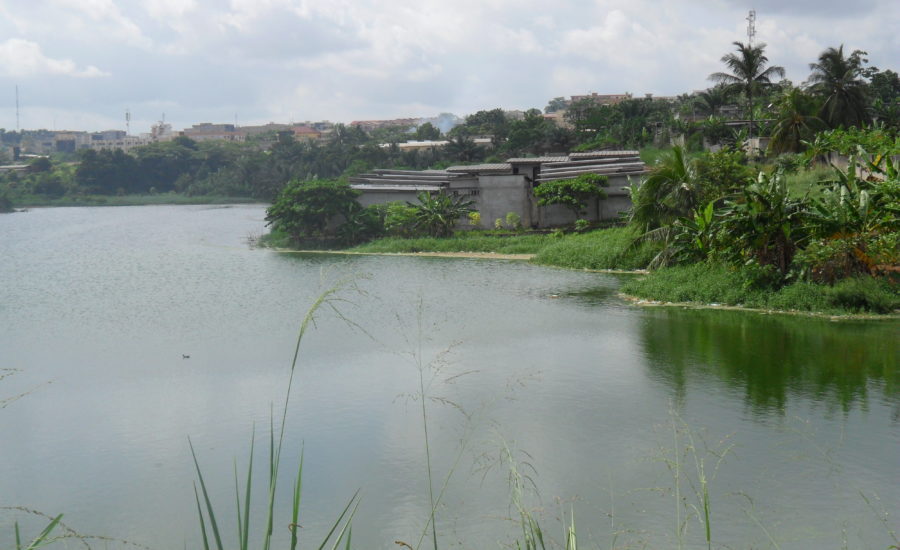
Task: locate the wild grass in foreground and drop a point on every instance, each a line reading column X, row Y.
column 707, row 283
column 340, row 531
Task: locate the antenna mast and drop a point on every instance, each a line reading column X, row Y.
column 17, row 108
column 751, row 27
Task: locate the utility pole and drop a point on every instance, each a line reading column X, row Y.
column 751, row 34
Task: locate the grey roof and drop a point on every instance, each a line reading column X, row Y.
column 536, row 160
column 410, row 172
column 395, row 188
column 495, row 167
column 602, row 154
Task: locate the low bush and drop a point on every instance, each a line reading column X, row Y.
column 864, row 294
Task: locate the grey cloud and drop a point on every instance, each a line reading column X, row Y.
column 808, row 8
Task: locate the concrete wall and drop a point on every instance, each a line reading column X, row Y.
column 499, row 195
column 368, row 198
column 617, row 201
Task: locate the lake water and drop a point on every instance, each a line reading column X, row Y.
column 794, row 422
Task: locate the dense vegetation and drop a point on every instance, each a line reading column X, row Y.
column 788, row 231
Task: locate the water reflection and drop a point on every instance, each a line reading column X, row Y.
column 769, row 359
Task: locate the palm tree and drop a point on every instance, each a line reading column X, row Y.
column 713, row 99
column 796, row 121
column 670, row 191
column 749, row 73
column 837, row 79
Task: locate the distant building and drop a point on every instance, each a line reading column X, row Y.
column 306, row 132
column 270, row 128
column 369, row 125
column 601, row 99
column 206, row 131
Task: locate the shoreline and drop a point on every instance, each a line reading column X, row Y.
column 634, row 300
column 468, row 255
column 644, row 302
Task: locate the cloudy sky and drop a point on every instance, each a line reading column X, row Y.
column 80, row 64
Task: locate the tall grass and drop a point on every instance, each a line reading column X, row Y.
column 340, row 530
column 807, row 180
column 612, row 248
column 687, row 461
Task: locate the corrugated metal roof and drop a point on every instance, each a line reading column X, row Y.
column 496, row 167
column 603, row 154
column 536, row 160
column 394, row 188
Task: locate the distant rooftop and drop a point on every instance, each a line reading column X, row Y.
column 536, row 160
column 482, row 168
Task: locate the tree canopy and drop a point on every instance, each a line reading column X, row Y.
column 572, row 193
column 305, row 208
column 838, row 80
column 749, row 73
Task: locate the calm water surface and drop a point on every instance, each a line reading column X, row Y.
column 593, row 397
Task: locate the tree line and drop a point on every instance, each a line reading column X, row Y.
column 842, row 91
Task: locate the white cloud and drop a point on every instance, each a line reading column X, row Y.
column 364, row 59
column 168, row 9
column 21, row 58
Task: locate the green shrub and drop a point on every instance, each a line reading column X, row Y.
column 865, row 294
column 400, row 219
column 513, row 221
column 475, row 219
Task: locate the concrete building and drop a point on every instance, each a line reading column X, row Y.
column 601, row 99
column 206, row 131
column 500, row 188
column 306, row 132
column 369, row 125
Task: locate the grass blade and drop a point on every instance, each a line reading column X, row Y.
column 295, row 509
column 209, row 508
column 340, row 518
column 245, row 539
column 37, row 542
column 237, row 498
column 347, row 527
column 273, row 480
column 202, row 521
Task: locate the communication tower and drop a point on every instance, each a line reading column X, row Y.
column 17, row 108
column 127, row 122
column 751, row 27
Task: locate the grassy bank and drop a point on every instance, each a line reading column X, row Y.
column 468, row 241
column 603, row 249
column 719, row 284
column 613, row 249
column 28, row 201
